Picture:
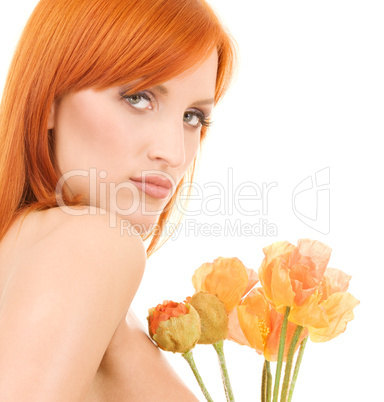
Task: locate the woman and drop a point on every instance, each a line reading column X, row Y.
column 102, row 116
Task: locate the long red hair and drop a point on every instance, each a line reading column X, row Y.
column 70, row 45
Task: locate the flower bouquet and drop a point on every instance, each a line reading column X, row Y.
column 299, row 297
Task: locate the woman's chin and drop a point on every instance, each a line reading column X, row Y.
column 142, row 225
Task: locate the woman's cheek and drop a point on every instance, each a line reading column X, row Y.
column 192, row 145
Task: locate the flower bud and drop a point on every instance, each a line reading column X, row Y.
column 175, row 327
column 213, row 317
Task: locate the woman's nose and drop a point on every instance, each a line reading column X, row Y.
column 167, row 144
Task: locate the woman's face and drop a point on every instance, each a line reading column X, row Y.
column 126, row 152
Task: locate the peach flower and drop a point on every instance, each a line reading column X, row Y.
column 327, row 312
column 290, row 274
column 337, row 303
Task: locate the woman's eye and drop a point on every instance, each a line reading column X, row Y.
column 139, row 101
column 195, row 119
column 191, row 119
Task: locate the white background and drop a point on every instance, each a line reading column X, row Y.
column 309, row 95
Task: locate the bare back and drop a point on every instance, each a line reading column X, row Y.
column 132, row 368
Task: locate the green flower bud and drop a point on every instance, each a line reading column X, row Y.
column 175, row 327
column 213, row 317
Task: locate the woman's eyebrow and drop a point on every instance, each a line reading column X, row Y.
column 204, row 102
column 164, row 91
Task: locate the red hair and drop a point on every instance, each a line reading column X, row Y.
column 70, row 45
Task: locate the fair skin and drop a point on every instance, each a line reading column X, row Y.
column 67, row 282
column 124, row 137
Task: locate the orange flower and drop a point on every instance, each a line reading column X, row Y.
column 174, row 326
column 254, row 320
column 290, row 274
column 337, row 303
column 226, row 278
column 258, row 325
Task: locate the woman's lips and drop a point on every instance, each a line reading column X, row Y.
column 155, row 186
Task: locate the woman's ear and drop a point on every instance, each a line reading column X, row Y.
column 51, row 117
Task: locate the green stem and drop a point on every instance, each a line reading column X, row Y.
column 264, row 383
column 189, row 358
column 224, row 372
column 280, row 355
column 297, row 367
column 269, row 381
column 288, row 366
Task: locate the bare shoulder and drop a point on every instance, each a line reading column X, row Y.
column 93, row 225
column 93, row 243
column 68, row 294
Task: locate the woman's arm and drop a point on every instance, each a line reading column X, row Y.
column 135, row 370
column 61, row 307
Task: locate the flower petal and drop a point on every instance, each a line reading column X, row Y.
column 278, row 249
column 228, row 280
column 235, row 333
column 198, row 278
column 309, row 313
column 334, row 281
column 253, row 278
column 318, row 252
column 274, row 274
column 282, row 293
column 272, row 347
column 303, row 283
column 339, row 308
column 250, row 325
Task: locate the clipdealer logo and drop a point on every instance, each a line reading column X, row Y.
column 311, row 201
column 238, row 203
